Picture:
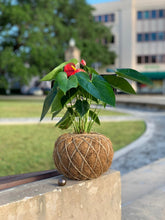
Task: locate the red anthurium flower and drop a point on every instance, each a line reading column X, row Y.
column 70, row 69
column 83, row 63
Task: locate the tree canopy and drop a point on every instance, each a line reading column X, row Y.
column 34, row 35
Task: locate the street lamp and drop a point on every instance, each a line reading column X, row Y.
column 72, row 42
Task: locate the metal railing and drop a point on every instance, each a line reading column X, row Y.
column 16, row 180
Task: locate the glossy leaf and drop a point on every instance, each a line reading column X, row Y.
column 62, row 100
column 65, row 83
column 94, row 117
column 66, row 121
column 69, row 96
column 98, row 87
column 82, row 107
column 52, row 75
column 119, row 83
column 103, row 87
column 133, row 75
column 86, row 84
column 61, row 79
column 57, row 105
column 72, row 82
column 55, row 113
column 48, row 101
column 92, row 70
column 87, row 95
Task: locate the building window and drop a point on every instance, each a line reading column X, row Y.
column 112, row 39
column 151, row 59
column 139, row 38
column 151, row 14
column 99, row 18
column 146, row 14
column 153, row 36
column 105, row 18
column 146, row 59
column 163, row 59
column 160, row 59
column 161, row 13
column 161, row 36
column 139, row 59
column 139, row 15
column 112, row 17
column 146, row 37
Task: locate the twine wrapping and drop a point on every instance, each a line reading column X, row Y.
column 82, row 156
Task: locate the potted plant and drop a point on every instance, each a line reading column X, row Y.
column 83, row 154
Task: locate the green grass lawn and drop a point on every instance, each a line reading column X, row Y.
column 32, row 108
column 28, row 148
column 20, row 108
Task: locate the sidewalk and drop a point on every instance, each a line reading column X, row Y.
column 16, row 121
column 143, row 193
column 142, row 166
column 148, row 148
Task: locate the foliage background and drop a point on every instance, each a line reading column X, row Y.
column 34, row 35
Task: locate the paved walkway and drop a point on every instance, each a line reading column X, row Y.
column 142, row 166
column 14, row 121
column 143, row 193
column 147, row 149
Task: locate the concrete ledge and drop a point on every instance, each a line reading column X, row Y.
column 94, row 199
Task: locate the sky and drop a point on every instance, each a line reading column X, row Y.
column 98, row 1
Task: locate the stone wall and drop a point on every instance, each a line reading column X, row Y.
column 97, row 199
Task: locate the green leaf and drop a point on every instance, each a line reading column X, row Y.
column 94, row 117
column 103, row 87
column 61, row 79
column 52, row 75
column 66, row 121
column 61, row 101
column 48, row 101
column 84, row 93
column 98, row 87
column 72, row 82
column 86, row 84
column 91, row 70
column 57, row 105
column 82, row 107
column 69, row 96
column 55, row 113
column 133, row 75
column 65, row 83
column 119, row 83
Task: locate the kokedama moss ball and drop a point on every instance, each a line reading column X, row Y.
column 83, row 156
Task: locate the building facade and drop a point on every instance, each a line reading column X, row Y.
column 138, row 28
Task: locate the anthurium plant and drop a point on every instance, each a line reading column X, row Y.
column 78, row 87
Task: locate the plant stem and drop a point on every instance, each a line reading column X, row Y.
column 86, row 121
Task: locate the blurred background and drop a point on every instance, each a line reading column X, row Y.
column 34, row 36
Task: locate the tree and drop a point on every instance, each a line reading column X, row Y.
column 35, row 33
